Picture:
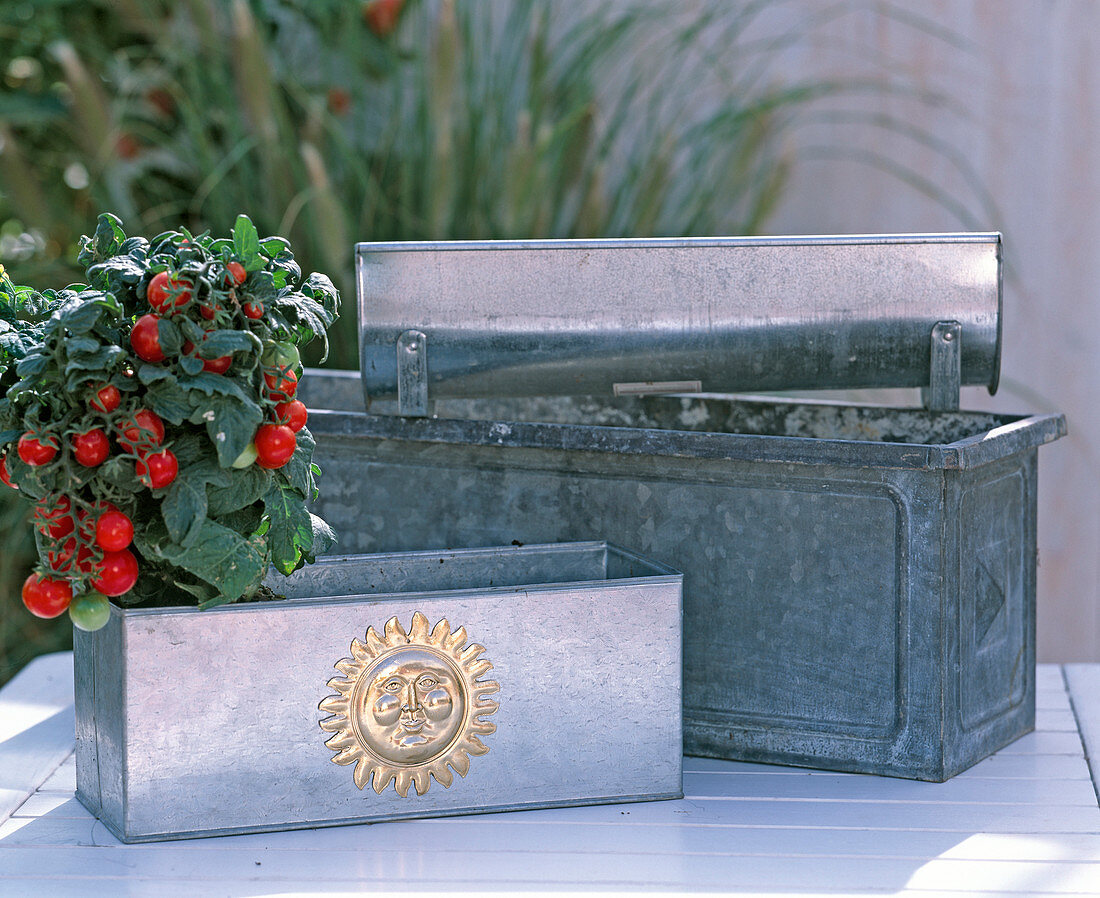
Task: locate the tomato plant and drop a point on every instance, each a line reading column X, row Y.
column 281, row 384
column 157, row 469
column 246, row 458
column 219, row 365
column 152, row 419
column 281, row 355
column 90, row 611
column 116, row 573
column 235, row 272
column 91, row 448
column 143, row 430
column 46, row 596
column 113, row 530
column 106, row 398
column 275, row 444
column 4, row 475
column 53, row 516
column 209, row 312
column 293, row 414
column 70, row 558
column 37, row 450
column 145, row 338
column 166, row 293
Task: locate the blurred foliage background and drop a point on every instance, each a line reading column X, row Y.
column 332, row 121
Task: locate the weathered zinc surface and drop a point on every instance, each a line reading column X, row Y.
column 859, row 583
column 439, row 683
column 859, row 586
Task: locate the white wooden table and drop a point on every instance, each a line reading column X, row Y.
column 1023, row 822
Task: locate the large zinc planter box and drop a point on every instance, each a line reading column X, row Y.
column 439, row 683
column 859, row 581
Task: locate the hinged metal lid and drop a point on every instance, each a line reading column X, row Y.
column 574, row 317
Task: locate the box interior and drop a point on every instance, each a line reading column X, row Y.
column 506, row 566
column 757, row 416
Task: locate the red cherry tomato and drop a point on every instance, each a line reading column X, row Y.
column 143, row 430
column 116, row 573
column 37, row 451
column 166, row 293
column 158, row 469
column 45, row 596
column 293, row 414
column 4, row 475
column 235, row 273
column 91, row 448
column 218, row 365
column 53, row 516
column 275, row 444
column 114, row 531
column 145, row 338
column 106, row 398
column 253, row 310
column 209, row 312
column 281, row 385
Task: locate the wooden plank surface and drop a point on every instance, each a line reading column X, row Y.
column 36, row 727
column 1023, row 822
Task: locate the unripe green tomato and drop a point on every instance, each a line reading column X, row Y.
column 247, row 457
column 90, row 611
column 280, row 355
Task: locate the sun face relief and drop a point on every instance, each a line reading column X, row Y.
column 410, row 706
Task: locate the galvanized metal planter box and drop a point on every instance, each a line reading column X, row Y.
column 859, row 583
column 542, row 675
column 859, row 587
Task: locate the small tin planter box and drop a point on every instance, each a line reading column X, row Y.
column 542, row 676
column 859, row 582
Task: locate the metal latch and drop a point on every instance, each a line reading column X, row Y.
column 412, row 374
column 942, row 392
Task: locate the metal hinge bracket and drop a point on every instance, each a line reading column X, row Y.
column 942, row 392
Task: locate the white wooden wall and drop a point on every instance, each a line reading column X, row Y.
column 1019, row 101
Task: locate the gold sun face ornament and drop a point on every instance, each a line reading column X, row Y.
column 410, row 706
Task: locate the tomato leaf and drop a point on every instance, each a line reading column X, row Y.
column 32, row 365
column 231, row 423
column 299, row 470
column 118, row 471
column 184, row 507
column 246, row 244
column 148, row 373
column 290, row 535
column 190, row 364
column 171, row 340
column 103, row 358
column 191, row 331
column 80, row 316
column 245, row 487
column 166, row 399
column 219, row 343
column 215, row 385
column 324, row 538
column 233, row 564
column 116, row 273
column 104, row 243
